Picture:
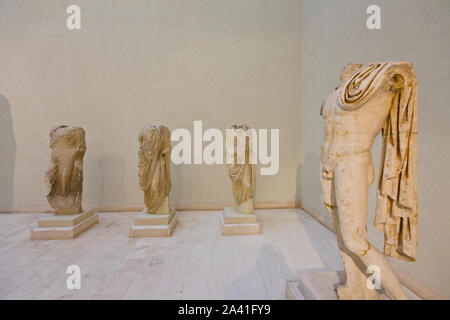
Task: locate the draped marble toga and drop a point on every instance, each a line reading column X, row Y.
column 154, row 165
column 397, row 209
column 64, row 178
column 241, row 171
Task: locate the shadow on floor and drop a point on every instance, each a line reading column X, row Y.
column 267, row 280
column 7, row 156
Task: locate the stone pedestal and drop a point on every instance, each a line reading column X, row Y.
column 58, row 227
column 236, row 223
column 322, row 285
column 153, row 225
column 314, row 285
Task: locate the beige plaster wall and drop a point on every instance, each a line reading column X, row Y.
column 138, row 62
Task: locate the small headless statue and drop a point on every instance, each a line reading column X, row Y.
column 154, row 168
column 241, row 169
column 64, row 178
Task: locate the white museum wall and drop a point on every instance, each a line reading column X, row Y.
column 139, row 62
column 334, row 33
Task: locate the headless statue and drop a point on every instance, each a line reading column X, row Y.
column 64, row 178
column 371, row 98
column 240, row 169
column 154, row 168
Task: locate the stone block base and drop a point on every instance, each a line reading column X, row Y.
column 236, row 223
column 321, row 285
column 154, row 225
column 59, row 227
column 148, row 219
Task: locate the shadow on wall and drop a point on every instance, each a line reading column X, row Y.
column 7, row 156
column 176, row 192
column 308, row 181
column 112, row 186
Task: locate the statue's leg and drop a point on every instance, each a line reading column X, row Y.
column 351, row 187
column 355, row 282
column 356, row 279
column 355, row 286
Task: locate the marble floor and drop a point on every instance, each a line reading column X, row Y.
column 197, row 262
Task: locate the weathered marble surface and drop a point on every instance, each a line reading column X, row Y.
column 154, row 168
column 371, row 98
column 241, row 169
column 64, row 178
